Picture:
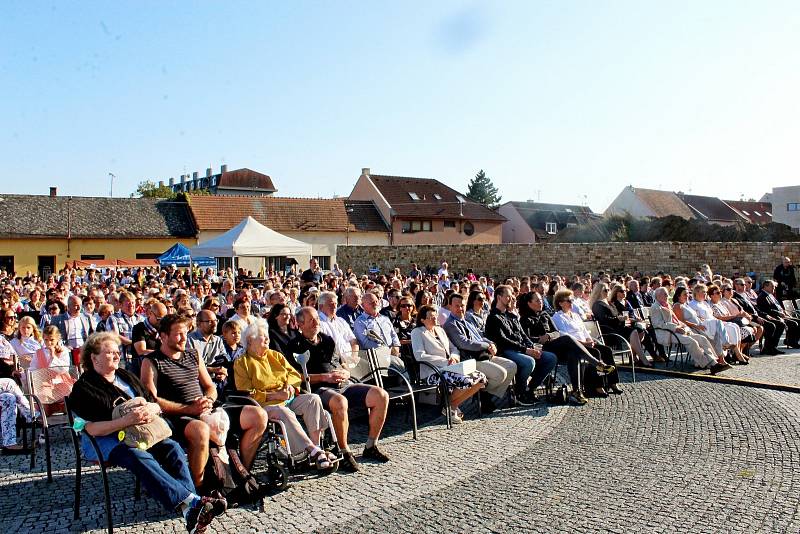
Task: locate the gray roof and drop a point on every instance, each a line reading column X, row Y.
column 93, row 217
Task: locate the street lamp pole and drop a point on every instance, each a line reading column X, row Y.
column 111, row 174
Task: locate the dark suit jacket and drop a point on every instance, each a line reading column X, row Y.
column 768, row 304
column 636, row 300
column 469, row 347
column 746, row 305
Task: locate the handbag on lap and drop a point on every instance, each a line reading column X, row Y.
column 141, row 436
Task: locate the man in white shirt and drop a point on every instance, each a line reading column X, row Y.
column 336, row 327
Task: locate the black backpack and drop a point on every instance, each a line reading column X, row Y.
column 232, row 479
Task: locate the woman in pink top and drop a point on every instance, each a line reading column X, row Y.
column 50, row 371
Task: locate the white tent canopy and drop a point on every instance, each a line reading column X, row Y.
column 251, row 238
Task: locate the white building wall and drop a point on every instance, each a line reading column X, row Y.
column 628, row 202
column 781, row 198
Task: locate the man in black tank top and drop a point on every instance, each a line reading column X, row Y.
column 183, row 388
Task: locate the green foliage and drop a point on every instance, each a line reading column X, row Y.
column 482, row 190
column 672, row 228
column 149, row 189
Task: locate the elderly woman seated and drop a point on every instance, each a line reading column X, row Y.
column 571, row 324
column 728, row 310
column 698, row 346
column 700, row 317
column 163, row 468
column 431, row 345
column 272, row 382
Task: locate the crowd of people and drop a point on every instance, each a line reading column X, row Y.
column 178, row 343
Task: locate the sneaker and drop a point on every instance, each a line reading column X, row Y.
column 577, row 397
column 203, row 513
column 528, row 398
column 454, row 418
column 374, row 453
column 349, row 463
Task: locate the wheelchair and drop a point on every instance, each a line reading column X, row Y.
column 281, row 461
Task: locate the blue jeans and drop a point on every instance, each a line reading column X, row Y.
column 163, row 470
column 528, row 366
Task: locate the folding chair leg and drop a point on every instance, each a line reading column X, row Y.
column 413, row 410
column 77, row 505
column 107, row 494
column 47, row 454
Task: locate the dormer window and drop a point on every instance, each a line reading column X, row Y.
column 437, row 196
column 550, row 227
column 568, row 210
column 461, row 199
column 413, row 196
column 757, row 214
column 743, row 211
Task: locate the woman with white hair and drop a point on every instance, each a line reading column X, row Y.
column 272, row 382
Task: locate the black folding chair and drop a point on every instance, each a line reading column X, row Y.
column 406, row 389
column 618, row 344
column 76, row 442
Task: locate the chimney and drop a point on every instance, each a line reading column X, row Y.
column 171, row 182
column 183, row 178
column 365, row 171
column 223, row 169
column 161, row 183
column 208, row 172
column 53, row 191
column 194, row 175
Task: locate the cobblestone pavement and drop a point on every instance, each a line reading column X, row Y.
column 783, row 369
column 669, row 455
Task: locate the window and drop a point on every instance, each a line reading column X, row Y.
column 437, row 196
column 461, row 199
column 413, row 196
column 469, row 229
column 550, row 228
column 768, row 214
column 449, row 224
column 757, row 214
column 416, row 226
column 93, row 257
column 746, row 213
column 224, row 263
column 568, row 210
column 7, row 264
column 147, row 255
column 793, row 206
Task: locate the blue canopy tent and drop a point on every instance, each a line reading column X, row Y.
column 180, row 256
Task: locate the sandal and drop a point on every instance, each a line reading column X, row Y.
column 321, row 460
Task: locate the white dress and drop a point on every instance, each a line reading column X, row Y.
column 729, row 332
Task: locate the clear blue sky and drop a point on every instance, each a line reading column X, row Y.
column 555, row 100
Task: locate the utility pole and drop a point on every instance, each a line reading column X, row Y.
column 111, row 174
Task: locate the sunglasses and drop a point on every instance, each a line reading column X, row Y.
column 406, row 305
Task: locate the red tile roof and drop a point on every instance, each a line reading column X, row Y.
column 396, row 189
column 664, row 203
column 756, row 212
column 246, row 179
column 284, row 214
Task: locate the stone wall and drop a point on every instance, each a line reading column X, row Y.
column 569, row 258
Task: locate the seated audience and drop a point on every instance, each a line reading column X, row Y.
column 571, row 324
column 431, row 345
column 282, row 330
column 539, row 327
column 504, row 330
column 609, row 308
column 697, row 345
column 773, row 330
column 179, row 381
column 162, row 468
column 26, row 341
column 268, row 377
column 471, row 344
column 331, row 381
column 769, row 305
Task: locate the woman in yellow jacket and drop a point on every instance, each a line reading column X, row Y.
column 275, row 385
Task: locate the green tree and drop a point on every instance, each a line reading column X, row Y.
column 149, row 189
column 482, row 190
